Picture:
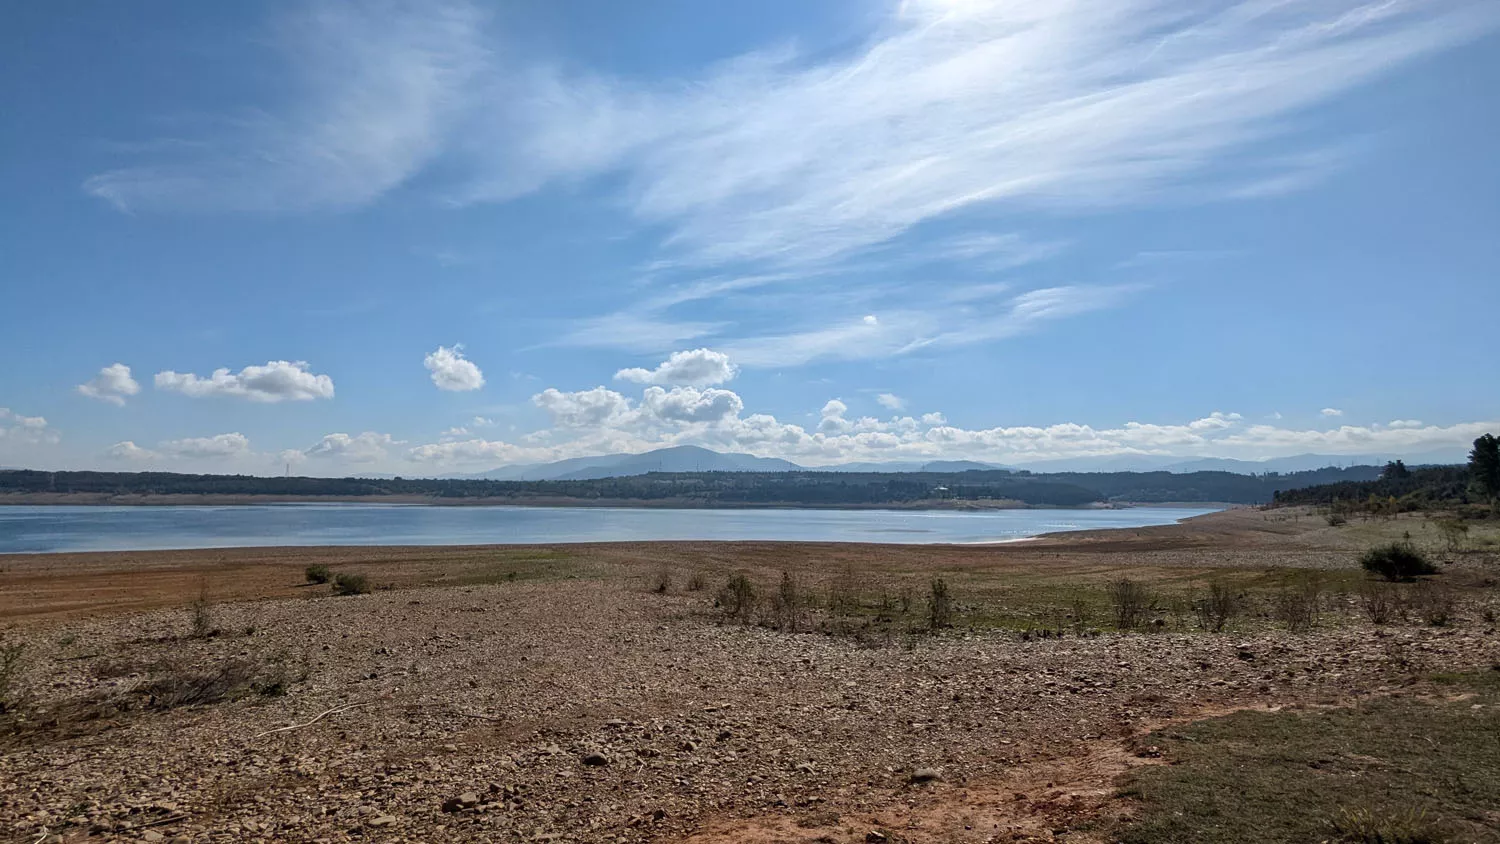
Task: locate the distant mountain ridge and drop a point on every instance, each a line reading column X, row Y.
column 691, row 458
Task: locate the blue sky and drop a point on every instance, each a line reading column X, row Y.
column 443, row 237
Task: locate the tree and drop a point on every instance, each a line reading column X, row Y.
column 1395, row 471
column 1484, row 466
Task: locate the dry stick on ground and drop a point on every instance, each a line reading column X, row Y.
column 321, row 715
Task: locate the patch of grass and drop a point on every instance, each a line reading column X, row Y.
column 345, row 583
column 318, row 574
column 1397, row 769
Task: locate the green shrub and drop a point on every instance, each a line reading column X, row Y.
column 1396, row 561
column 318, row 574
column 350, row 584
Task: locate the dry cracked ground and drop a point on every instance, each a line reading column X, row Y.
column 556, row 695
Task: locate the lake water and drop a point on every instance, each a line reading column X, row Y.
column 69, row 528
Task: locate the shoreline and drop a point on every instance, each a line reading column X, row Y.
column 213, row 500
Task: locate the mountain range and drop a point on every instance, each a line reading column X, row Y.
column 688, row 458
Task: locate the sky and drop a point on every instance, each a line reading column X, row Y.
column 441, row 237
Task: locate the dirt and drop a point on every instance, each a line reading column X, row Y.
column 459, row 682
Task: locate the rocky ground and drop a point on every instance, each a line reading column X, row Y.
column 593, row 708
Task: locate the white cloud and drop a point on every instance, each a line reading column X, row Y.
column 217, row 447
column 1331, row 411
column 689, row 405
column 113, row 384
column 599, row 407
column 890, row 401
column 278, row 380
column 451, row 371
column 1405, row 423
column 934, row 419
column 379, row 90
column 954, row 106
column 481, row 422
column 696, row 368
column 791, row 157
column 128, row 450
column 25, row 430
column 368, row 447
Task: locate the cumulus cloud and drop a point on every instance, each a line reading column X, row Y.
column 481, row 422
column 452, row 371
column 696, row 368
column 598, row 407
column 1331, row 411
column 934, row 418
column 368, row 447
column 690, row 405
column 1405, row 423
column 276, row 381
column 890, row 401
column 26, row 430
column 128, row 450
column 217, row 447
column 113, row 384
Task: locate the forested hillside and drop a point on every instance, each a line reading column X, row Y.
column 723, row 488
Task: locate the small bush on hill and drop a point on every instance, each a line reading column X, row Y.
column 318, row 574
column 350, row 584
column 1217, row 609
column 1397, row 561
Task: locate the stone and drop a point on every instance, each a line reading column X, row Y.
column 925, row 775
column 595, row 759
column 382, row 821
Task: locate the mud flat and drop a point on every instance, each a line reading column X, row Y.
column 596, row 693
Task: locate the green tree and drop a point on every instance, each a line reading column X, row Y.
column 1484, row 466
column 1395, row 471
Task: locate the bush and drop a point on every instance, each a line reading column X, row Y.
column 202, row 616
column 176, row 685
column 11, row 658
column 787, row 604
column 939, row 605
column 737, row 598
column 1337, row 520
column 663, row 583
column 318, row 574
column 1131, row 603
column 1296, row 608
column 350, row 584
column 1435, row 603
column 698, row 582
column 1379, row 601
column 1216, row 610
column 1396, row 561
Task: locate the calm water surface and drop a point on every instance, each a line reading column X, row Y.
column 69, row 528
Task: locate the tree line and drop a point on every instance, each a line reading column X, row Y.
column 1469, row 490
column 830, row 489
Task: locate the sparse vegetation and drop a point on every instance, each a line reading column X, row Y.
column 345, row 583
column 318, row 574
column 1218, row 607
column 1296, row 608
column 939, row 605
column 1379, row 601
column 663, row 583
column 1397, row 561
column 201, row 615
column 1131, row 602
column 737, row 598
column 697, row 582
column 1434, row 602
column 786, row 607
column 12, row 658
column 1391, row 770
column 179, row 685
